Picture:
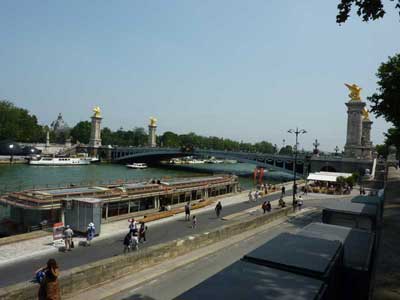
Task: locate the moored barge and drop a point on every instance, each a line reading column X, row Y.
column 30, row 208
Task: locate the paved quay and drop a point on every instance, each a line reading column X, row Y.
column 387, row 277
column 172, row 277
column 22, row 259
column 110, row 242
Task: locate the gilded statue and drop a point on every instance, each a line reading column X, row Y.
column 153, row 121
column 97, row 112
column 365, row 114
column 355, row 91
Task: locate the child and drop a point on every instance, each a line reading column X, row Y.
column 194, row 222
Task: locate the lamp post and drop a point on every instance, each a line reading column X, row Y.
column 12, row 153
column 336, row 150
column 296, row 132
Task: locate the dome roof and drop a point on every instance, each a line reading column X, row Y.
column 59, row 124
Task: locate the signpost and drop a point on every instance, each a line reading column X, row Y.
column 58, row 233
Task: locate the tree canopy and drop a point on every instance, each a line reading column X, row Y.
column 386, row 101
column 17, row 124
column 81, row 132
column 366, row 9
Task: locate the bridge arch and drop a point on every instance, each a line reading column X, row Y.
column 328, row 169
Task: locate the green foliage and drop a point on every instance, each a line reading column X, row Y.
column 382, row 150
column 121, row 137
column 17, row 124
column 386, row 101
column 81, row 132
column 366, row 9
column 287, row 150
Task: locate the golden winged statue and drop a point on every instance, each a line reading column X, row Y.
column 355, row 91
column 365, row 113
column 153, row 121
column 97, row 112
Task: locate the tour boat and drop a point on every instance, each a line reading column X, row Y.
column 137, row 166
column 59, row 161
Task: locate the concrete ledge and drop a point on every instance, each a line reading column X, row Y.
column 80, row 278
column 23, row 237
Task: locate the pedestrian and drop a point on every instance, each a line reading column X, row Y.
column 142, row 233
column 295, row 189
column 194, row 222
column 90, row 232
column 264, row 206
column 218, row 208
column 135, row 241
column 187, row 211
column 283, row 191
column 300, row 202
column 49, row 287
column 133, row 226
column 68, row 234
column 250, row 196
column 269, row 206
column 127, row 242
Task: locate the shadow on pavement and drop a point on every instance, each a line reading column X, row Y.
column 138, row 297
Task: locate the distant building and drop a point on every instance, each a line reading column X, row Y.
column 59, row 125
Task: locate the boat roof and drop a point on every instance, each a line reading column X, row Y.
column 190, row 180
column 74, row 190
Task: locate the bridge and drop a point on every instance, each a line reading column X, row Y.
column 285, row 163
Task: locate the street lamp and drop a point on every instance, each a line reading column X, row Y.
column 296, row 132
column 336, row 150
column 12, row 152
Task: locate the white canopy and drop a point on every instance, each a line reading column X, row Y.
column 327, row 176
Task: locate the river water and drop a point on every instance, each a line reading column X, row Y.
column 19, row 177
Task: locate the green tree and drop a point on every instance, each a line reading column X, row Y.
column 366, row 9
column 19, row 125
column 382, row 150
column 287, row 150
column 170, row 139
column 81, row 132
column 385, row 102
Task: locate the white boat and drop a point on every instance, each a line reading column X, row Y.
column 59, row 161
column 137, row 166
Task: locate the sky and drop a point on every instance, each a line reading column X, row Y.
column 245, row 70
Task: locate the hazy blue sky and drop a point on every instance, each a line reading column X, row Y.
column 247, row 70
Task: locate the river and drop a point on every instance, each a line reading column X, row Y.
column 21, row 176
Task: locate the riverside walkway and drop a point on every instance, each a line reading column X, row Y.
column 387, row 275
column 15, row 270
column 22, row 261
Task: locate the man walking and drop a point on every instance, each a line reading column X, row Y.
column 91, row 230
column 68, row 233
column 283, row 191
column 218, row 208
column 187, row 212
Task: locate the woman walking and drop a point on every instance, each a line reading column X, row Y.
column 218, row 208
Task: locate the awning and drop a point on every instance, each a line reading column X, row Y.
column 327, row 176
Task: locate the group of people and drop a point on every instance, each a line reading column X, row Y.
column 136, row 235
column 69, row 234
column 254, row 195
column 218, row 209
